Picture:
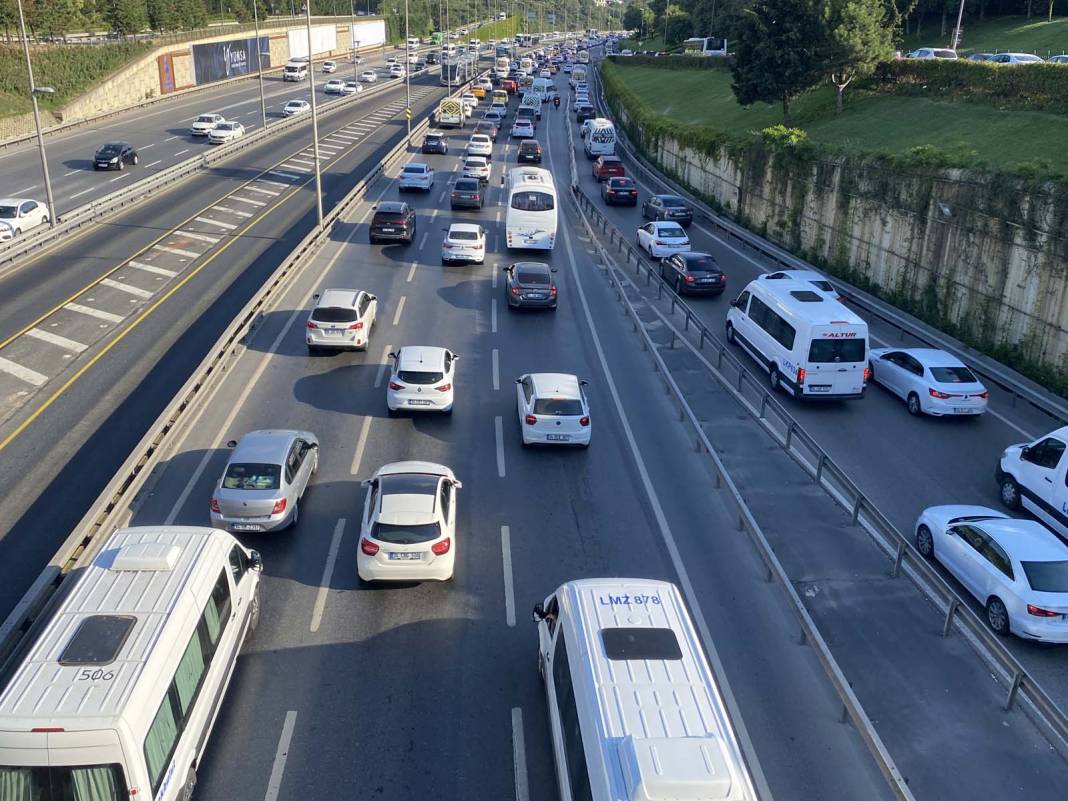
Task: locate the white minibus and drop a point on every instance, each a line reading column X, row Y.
column 413, row 42
column 500, row 68
column 809, row 343
column 530, row 223
column 526, row 66
column 119, row 691
column 601, row 139
column 544, row 88
column 635, row 712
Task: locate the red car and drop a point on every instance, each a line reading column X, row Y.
column 608, row 167
column 509, row 85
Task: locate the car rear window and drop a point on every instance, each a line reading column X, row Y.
column 388, row 219
column 418, row 169
column 334, row 314
column 463, row 236
column 405, row 535
column 467, row 185
column 953, row 375
column 674, row 202
column 671, row 232
column 701, row 263
column 532, row 276
column 1047, row 576
column 558, row 406
column 252, row 476
column 419, row 377
column 620, row 183
column 826, row 351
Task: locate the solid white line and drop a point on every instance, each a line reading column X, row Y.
column 498, row 430
column 97, row 313
column 422, row 239
column 209, row 221
column 361, row 444
column 264, row 191
column 235, row 212
column 383, row 363
column 400, row 308
column 211, row 240
column 519, row 756
column 493, row 316
column 328, row 572
column 127, row 288
column 247, row 200
column 153, row 163
column 176, row 251
column 509, row 591
column 496, row 370
column 148, row 268
column 56, row 339
column 83, row 192
column 281, row 174
column 180, row 152
column 23, row 373
column 411, row 272
column 274, row 784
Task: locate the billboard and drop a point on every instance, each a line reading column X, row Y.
column 217, row 61
column 324, row 39
column 532, row 15
column 550, row 17
column 373, row 32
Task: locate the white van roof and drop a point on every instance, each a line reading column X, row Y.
column 797, row 299
column 129, row 594
column 530, row 175
column 664, row 731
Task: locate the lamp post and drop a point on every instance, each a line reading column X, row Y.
column 407, row 74
column 352, row 40
column 315, row 121
column 34, row 91
column 259, row 60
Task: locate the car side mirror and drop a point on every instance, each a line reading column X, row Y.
column 233, row 443
column 552, row 269
column 393, row 355
column 367, row 482
column 315, row 296
column 1025, row 452
column 538, row 614
column 584, row 383
column 255, row 561
column 458, row 484
column 313, row 445
column 734, row 303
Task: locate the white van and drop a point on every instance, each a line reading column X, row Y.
column 118, row 693
column 1034, row 476
column 296, row 69
column 413, row 42
column 810, row 344
column 544, row 88
column 634, row 709
column 601, row 139
column 532, row 100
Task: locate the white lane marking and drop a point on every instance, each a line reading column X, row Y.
column 328, row 572
column 493, row 316
column 289, row 165
column 146, row 147
column 361, row 445
column 83, row 192
column 281, row 174
column 149, row 268
column 350, row 137
column 91, row 312
column 325, row 146
column 308, row 162
column 441, row 197
column 274, row 784
column 383, row 363
column 519, row 756
column 1029, row 435
column 176, row 251
column 400, row 309
column 153, row 163
column 119, row 177
column 22, row 373
column 69, row 174
column 493, row 275
column 247, row 200
column 263, row 191
column 411, row 273
column 422, row 239
column 211, row 240
column 235, row 212
column 127, row 288
column 56, row 339
column 496, row 370
column 169, row 138
column 180, row 152
column 509, row 591
column 209, row 221
column 24, row 191
column 498, row 430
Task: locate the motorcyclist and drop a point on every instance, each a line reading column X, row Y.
column 556, row 101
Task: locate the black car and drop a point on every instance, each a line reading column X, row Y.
column 530, row 284
column 432, row 57
column 693, row 272
column 393, row 222
column 467, row 194
column 619, row 191
column 527, row 113
column 529, row 152
column 668, row 207
column 435, row 143
column 114, row 156
column 583, row 113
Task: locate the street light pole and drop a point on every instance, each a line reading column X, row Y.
column 315, row 121
column 407, row 74
column 37, row 116
column 259, row 60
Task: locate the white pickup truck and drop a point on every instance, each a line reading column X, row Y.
column 1034, row 476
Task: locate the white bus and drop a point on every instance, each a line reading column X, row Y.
column 500, row 68
column 526, row 65
column 584, row 56
column 544, row 88
column 530, row 223
column 413, row 42
column 601, row 139
column 118, row 694
column 809, row 343
column 635, row 712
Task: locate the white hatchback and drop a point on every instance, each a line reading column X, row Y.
column 930, row 381
column 415, row 175
column 422, row 379
column 329, row 66
column 553, row 409
column 522, row 129
column 368, row 76
column 226, row 132
column 205, row 123
column 341, row 319
column 334, row 86
column 480, row 145
column 662, row 239
column 20, row 214
column 464, row 242
column 408, row 531
column 1017, row 569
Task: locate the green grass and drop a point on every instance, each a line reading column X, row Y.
column 1014, row 34
column 653, row 43
column 869, row 123
column 497, row 29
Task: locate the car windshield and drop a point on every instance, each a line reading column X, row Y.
column 558, row 406
column 419, row 377
column 109, row 150
column 334, row 314
column 532, row 276
column 670, row 232
column 953, row 375
column 463, row 236
column 532, row 201
column 405, row 535
column 293, row 104
column 8, row 212
column 824, row 351
column 252, row 476
column 205, row 118
column 1047, row 576
column 228, row 126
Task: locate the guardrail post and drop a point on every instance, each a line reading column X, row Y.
column 1014, row 688
column 701, row 342
column 719, row 358
column 763, row 405
column 856, row 508
column 686, row 322
column 819, row 467
column 741, row 375
column 901, row 547
column 790, row 436
column 950, row 612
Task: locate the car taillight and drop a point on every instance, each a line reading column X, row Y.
column 279, row 507
column 454, row 195
column 984, row 395
column 800, row 376
column 584, row 421
column 368, row 547
column 531, row 420
column 934, row 393
column 657, row 242
column 358, row 326
column 689, row 279
column 1038, row 611
column 311, row 324
column 214, row 506
column 552, row 292
column 446, row 245
column 444, row 388
column 515, row 290
column 395, row 386
column 441, row 548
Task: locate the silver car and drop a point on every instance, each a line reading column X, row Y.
column 264, row 480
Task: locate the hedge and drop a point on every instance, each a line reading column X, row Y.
column 674, row 62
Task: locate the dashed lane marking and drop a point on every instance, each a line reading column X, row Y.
column 57, row 340
column 127, row 288
column 209, row 221
column 91, row 312
column 281, row 174
column 150, row 268
column 176, row 251
column 229, row 210
column 262, row 191
column 211, row 240
column 22, row 373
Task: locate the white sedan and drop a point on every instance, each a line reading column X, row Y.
column 205, row 123
column 226, row 132
column 408, row 531
column 20, row 214
column 368, row 76
column 553, row 409
column 334, row 86
column 329, row 66
column 930, row 381
column 661, row 239
column 351, row 88
column 465, row 242
column 422, row 380
column 296, row 107
column 480, row 145
column 1017, row 569
column 415, row 175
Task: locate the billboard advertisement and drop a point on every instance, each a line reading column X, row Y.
column 373, row 32
column 217, row 61
column 324, row 39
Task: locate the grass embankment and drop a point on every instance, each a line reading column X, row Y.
column 497, row 29
column 997, row 35
column 870, row 123
column 69, row 69
column 654, row 44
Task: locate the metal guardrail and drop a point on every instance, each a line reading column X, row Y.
column 851, row 706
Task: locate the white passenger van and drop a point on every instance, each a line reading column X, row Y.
column 296, row 69
column 810, row 344
column 117, row 696
column 544, row 88
column 530, row 223
column 634, row 709
column 601, row 140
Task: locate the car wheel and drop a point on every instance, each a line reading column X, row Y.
column 774, row 379
column 122, row 165
column 913, row 404
column 186, row 793
column 254, row 613
column 135, row 160
column 296, row 515
column 1010, row 492
column 997, row 616
column 925, row 542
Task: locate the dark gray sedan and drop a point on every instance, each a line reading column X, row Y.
column 467, row 194
column 530, row 284
column 693, row 272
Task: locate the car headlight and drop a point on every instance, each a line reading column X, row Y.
column 114, row 159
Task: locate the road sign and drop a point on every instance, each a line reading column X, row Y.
column 408, row 113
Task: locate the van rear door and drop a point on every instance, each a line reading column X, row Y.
column 837, row 358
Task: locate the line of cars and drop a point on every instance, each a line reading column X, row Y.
column 948, row 54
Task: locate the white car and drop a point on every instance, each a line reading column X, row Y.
column 396, row 71
column 415, row 175
column 930, row 381
column 357, row 59
column 408, row 531
column 296, row 107
column 1061, row 59
column 464, row 242
column 329, row 66
column 470, row 102
column 368, row 76
column 391, row 61
column 205, row 123
column 341, row 319
column 486, row 84
column 553, row 409
column 662, row 238
column 1015, row 58
column 818, row 281
column 522, row 129
column 480, row 145
column 351, row 88
column 933, row 52
column 1017, row 569
column 421, row 380
column 20, row 214
column 226, row 132
column 476, row 167
column 582, row 88
column 334, row 86
column 582, row 99
column 413, row 58
column 545, row 74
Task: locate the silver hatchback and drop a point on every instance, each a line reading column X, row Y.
column 264, row 480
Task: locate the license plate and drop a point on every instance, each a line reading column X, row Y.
column 705, row 280
column 388, row 230
column 335, row 330
column 417, row 402
column 535, row 296
column 405, row 556
column 246, row 527
column 963, row 410
column 819, row 388
column 558, row 437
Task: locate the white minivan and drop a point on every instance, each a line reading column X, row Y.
column 600, row 140
column 810, row 345
column 1034, row 476
column 117, row 696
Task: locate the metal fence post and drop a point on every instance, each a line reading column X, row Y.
column 952, row 610
column 901, row 547
column 1017, row 680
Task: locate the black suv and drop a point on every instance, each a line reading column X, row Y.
column 529, row 152
column 435, row 143
column 431, row 57
column 583, row 113
column 393, row 222
column 114, row 156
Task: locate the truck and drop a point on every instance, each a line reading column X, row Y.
column 450, row 113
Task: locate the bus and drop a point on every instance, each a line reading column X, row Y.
column 436, row 38
column 705, row 46
column 500, row 67
column 454, row 70
column 526, row 65
column 530, row 223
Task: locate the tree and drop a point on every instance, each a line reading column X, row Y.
column 859, row 35
column 677, row 25
column 777, row 55
column 126, row 17
column 162, row 15
column 190, row 13
column 632, row 18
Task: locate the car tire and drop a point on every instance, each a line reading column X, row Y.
column 774, row 379
column 122, row 165
column 925, row 542
column 135, row 160
column 296, row 515
column 913, row 405
column 997, row 616
column 313, row 350
column 1010, row 493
